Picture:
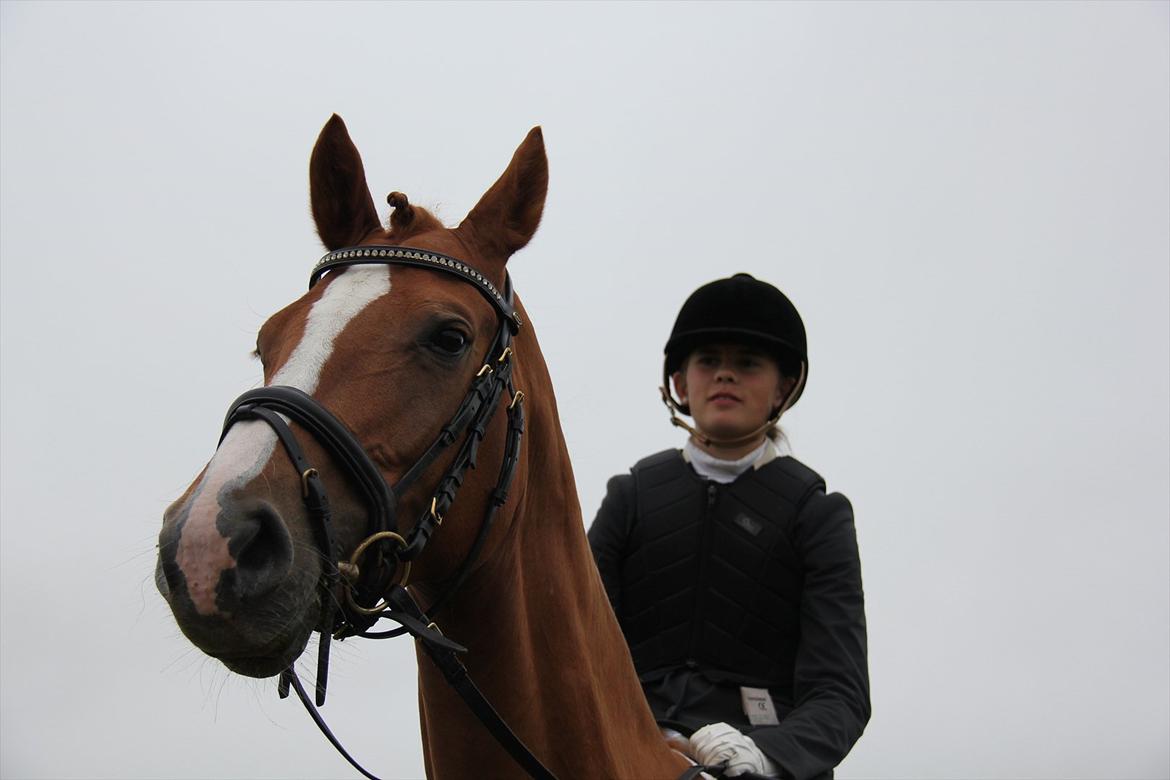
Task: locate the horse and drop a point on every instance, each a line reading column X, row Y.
column 366, row 380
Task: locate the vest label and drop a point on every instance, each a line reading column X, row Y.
column 758, row 706
column 749, row 523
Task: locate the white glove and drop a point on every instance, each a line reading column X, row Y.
column 719, row 742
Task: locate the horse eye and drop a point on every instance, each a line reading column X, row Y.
column 449, row 341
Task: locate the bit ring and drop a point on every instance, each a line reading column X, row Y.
column 402, row 570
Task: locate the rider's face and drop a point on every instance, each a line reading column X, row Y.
column 732, row 389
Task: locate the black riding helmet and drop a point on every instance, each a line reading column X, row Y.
column 742, row 310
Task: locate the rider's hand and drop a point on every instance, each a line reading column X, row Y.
column 719, row 742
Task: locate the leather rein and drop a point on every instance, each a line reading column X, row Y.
column 374, row 578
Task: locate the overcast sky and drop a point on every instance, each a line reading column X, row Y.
column 967, row 202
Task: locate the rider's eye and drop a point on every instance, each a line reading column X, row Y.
column 449, row 341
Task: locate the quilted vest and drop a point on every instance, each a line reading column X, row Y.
column 713, row 577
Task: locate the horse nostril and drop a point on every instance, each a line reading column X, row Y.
column 262, row 549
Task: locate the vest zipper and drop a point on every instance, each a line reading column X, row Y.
column 704, row 552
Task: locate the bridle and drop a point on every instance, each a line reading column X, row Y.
column 372, row 589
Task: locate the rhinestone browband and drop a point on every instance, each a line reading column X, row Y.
column 406, row 256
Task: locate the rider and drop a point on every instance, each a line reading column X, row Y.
column 734, row 575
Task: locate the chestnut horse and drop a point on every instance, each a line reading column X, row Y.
column 390, row 351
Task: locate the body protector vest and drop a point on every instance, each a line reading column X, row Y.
column 713, row 577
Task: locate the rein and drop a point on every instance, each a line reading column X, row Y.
column 375, row 576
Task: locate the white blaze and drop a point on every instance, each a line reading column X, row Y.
column 249, row 444
column 345, row 297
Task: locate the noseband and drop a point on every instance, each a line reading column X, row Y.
column 373, row 580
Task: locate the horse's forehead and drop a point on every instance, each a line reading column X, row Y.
column 249, row 445
column 344, row 297
column 317, row 331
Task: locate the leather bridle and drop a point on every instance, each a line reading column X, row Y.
column 373, row 588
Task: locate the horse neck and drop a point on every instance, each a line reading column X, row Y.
column 543, row 645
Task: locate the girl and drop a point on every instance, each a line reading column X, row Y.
column 734, row 576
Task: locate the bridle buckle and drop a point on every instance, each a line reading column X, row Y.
column 305, row 477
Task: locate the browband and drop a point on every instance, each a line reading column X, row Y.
column 401, row 255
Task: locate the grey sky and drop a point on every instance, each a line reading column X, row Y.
column 968, row 203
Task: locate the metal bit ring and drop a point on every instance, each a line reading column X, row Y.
column 402, row 570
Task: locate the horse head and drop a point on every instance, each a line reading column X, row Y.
column 390, row 351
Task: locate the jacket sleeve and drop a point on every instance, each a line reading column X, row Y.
column 831, row 678
column 609, row 533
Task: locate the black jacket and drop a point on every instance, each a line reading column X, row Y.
column 753, row 583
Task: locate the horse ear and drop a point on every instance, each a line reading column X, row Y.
column 342, row 206
column 507, row 215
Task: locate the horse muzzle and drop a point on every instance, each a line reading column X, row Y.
column 229, row 577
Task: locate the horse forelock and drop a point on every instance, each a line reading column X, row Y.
column 411, row 221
